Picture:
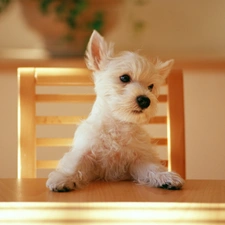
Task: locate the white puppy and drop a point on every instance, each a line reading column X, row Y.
column 111, row 144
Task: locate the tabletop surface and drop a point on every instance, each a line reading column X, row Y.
column 34, row 190
column 28, row 201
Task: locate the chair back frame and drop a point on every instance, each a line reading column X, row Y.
column 29, row 78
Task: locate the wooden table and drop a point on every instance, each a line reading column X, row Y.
column 28, row 201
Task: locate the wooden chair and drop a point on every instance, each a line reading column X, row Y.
column 29, row 79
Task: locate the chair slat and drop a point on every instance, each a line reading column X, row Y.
column 54, row 142
column 63, row 77
column 78, row 98
column 48, row 120
column 162, row 98
column 158, row 120
column 164, row 162
column 46, row 164
column 51, row 164
column 63, row 142
column 159, row 141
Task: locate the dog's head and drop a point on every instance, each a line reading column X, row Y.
column 128, row 83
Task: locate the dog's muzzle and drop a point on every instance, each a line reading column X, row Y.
column 143, row 101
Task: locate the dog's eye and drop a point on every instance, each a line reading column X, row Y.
column 125, row 78
column 150, row 87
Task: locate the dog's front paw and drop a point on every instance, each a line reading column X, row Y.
column 170, row 186
column 171, row 181
column 59, row 182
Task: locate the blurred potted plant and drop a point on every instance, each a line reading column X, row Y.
column 4, row 4
column 66, row 25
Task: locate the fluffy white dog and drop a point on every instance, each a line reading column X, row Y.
column 111, row 143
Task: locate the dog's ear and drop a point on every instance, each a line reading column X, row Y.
column 164, row 68
column 98, row 52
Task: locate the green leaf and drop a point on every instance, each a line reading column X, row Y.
column 98, row 21
column 44, row 5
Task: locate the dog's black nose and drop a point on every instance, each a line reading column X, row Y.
column 143, row 101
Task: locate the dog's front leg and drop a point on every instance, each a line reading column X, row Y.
column 62, row 178
column 74, row 171
column 155, row 175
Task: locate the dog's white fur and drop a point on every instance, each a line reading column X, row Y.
column 111, row 143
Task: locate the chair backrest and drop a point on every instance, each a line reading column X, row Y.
column 30, row 118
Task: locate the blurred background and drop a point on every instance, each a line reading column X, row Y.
column 193, row 29
column 55, row 33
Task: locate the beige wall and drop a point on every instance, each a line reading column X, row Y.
column 181, row 29
column 174, row 28
column 205, row 123
column 8, row 125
